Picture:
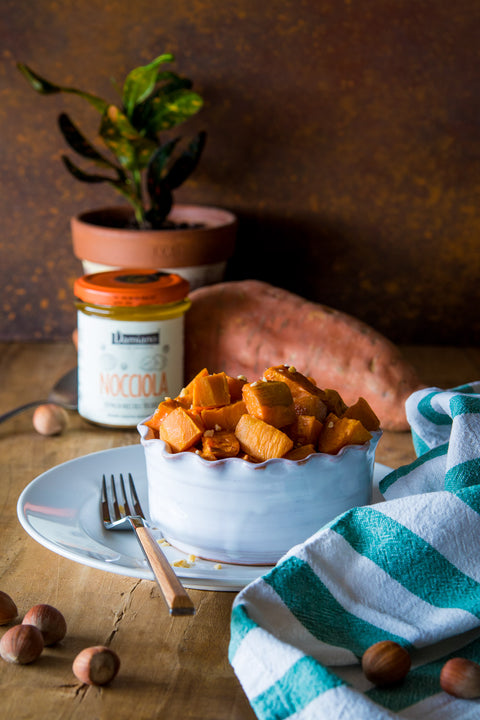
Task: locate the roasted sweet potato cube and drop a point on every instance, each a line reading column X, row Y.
column 196, row 415
column 338, row 432
column 294, row 379
column 211, row 391
column 307, row 397
column 235, row 386
column 334, row 402
column 306, row 404
column 306, row 430
column 186, row 394
column 261, row 440
column 220, row 444
column 163, row 409
column 180, row 429
column 225, row 418
column 300, row 453
column 270, row 401
column 362, row 411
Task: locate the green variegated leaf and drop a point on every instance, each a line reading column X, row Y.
column 143, row 116
column 160, row 195
column 168, row 111
column 83, row 176
column 171, row 81
column 123, row 187
column 45, row 87
column 42, row 86
column 162, row 202
column 132, row 150
column 159, row 160
column 82, row 146
column 183, row 167
column 141, row 81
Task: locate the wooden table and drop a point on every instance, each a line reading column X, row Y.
column 170, row 668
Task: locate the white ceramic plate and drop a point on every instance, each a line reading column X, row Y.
column 60, row 510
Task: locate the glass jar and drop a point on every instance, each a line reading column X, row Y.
column 130, row 343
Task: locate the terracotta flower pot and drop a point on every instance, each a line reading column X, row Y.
column 197, row 248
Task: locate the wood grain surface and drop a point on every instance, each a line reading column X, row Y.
column 170, row 667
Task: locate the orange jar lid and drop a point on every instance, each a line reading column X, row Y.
column 128, row 287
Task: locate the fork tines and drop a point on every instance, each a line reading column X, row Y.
column 120, row 507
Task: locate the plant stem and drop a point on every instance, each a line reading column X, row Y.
column 139, row 210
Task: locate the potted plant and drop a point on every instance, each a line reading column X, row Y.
column 151, row 231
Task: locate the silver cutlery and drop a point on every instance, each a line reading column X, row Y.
column 118, row 515
column 63, row 393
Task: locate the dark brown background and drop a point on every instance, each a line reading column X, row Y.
column 344, row 133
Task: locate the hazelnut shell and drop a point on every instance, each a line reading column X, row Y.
column 96, row 665
column 22, row 644
column 49, row 621
column 50, row 419
column 8, row 609
column 461, row 677
column 386, row 663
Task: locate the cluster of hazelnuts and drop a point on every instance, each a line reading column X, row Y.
column 45, row 625
column 387, row 663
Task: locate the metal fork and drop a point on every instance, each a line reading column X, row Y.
column 118, row 516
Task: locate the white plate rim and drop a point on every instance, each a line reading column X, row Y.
column 202, row 574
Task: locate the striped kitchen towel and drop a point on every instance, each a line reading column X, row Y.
column 405, row 569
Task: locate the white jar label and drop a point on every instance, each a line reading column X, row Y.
column 126, row 368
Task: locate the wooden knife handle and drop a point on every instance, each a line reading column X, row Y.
column 176, row 597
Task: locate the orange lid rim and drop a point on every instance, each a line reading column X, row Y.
column 131, row 287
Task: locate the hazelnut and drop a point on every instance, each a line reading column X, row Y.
column 96, row 665
column 50, row 419
column 8, row 609
column 49, row 621
column 22, row 644
column 461, row 678
column 386, row 663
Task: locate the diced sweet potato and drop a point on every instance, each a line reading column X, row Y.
column 235, row 385
column 363, row 412
column 225, row 417
column 334, row 402
column 290, row 375
column 221, row 444
column 306, row 404
column 338, row 432
column 180, row 429
column 186, row 395
column 164, row 408
column 277, row 416
column 261, row 440
column 307, row 397
column 300, row 453
column 306, row 430
column 211, row 391
column 270, row 401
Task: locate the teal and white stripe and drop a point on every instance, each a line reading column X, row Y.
column 446, row 435
column 407, row 569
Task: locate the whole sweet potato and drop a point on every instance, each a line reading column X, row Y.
column 246, row 326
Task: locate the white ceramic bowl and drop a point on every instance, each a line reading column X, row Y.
column 239, row 512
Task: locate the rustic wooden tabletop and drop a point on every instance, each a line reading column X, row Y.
column 170, row 667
